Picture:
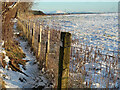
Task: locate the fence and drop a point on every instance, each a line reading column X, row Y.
column 45, row 43
column 88, row 66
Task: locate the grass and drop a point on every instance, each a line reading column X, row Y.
column 94, row 57
column 82, row 56
column 13, row 51
column 2, row 61
column 15, row 54
column 2, row 84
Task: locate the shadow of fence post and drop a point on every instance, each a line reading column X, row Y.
column 64, row 60
column 33, row 33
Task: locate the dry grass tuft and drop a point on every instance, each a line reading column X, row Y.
column 13, row 51
column 15, row 54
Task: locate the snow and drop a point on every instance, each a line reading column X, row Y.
column 97, row 85
column 15, row 79
column 31, row 70
column 14, row 20
column 93, row 30
column 6, row 59
column 3, row 52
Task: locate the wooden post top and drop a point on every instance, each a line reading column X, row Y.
column 65, row 39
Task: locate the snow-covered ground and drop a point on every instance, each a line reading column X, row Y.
column 99, row 30
column 14, row 79
column 93, row 30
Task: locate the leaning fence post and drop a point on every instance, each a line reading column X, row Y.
column 64, row 60
column 39, row 40
column 47, row 49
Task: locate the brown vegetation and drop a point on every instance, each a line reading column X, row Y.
column 82, row 57
column 8, row 13
column 13, row 51
column 15, row 54
column 2, row 84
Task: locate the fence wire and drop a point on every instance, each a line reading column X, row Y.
column 90, row 68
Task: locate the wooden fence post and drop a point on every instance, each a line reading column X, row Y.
column 48, row 41
column 33, row 36
column 27, row 29
column 24, row 28
column 64, row 60
column 39, row 40
column 47, row 49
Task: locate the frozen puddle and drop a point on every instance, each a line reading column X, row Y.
column 35, row 78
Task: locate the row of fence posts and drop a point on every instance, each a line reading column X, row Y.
column 64, row 53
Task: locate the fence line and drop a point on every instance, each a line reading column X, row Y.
column 46, row 45
column 86, row 64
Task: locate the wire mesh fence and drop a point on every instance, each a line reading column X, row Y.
column 90, row 68
column 46, row 42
